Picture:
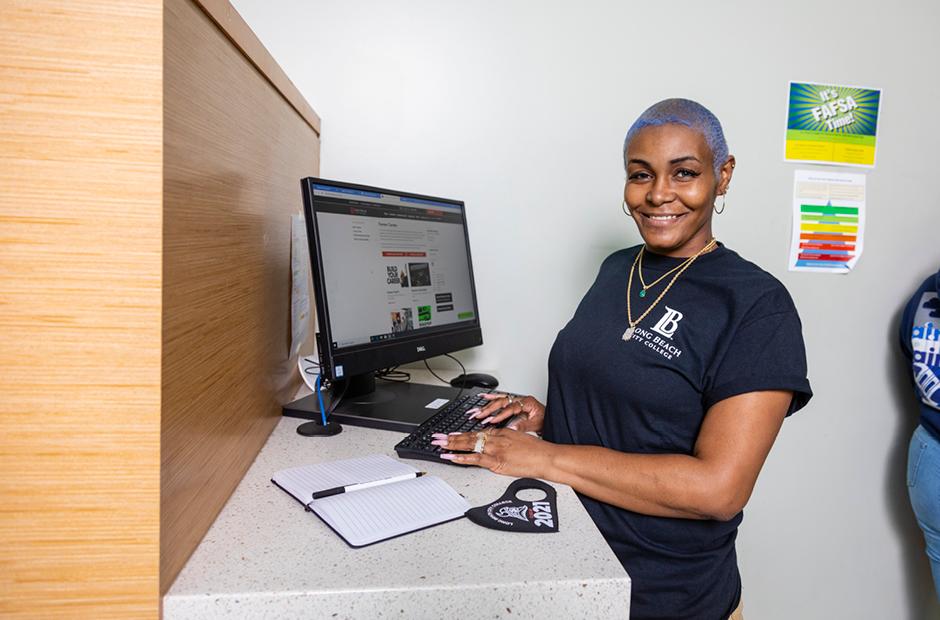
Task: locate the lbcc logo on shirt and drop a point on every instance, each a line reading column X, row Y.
column 668, row 325
column 666, row 328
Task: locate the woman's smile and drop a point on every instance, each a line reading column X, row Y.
column 662, row 220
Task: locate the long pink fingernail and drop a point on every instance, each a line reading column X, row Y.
column 438, row 435
column 439, row 442
column 454, row 433
column 448, row 456
column 487, row 421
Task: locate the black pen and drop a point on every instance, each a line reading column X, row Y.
column 365, row 485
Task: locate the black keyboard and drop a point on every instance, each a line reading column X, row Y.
column 452, row 418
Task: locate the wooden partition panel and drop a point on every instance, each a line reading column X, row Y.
column 236, row 147
column 80, row 277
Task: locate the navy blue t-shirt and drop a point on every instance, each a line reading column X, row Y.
column 726, row 327
column 920, row 341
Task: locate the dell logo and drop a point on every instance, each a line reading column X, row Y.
column 421, row 349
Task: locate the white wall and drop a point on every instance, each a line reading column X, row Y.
column 519, row 108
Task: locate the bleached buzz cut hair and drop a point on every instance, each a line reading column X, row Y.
column 689, row 114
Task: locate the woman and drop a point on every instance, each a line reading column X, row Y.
column 920, row 342
column 668, row 386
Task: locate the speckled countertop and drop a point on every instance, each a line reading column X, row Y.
column 264, row 557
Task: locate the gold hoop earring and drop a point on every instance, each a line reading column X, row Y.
column 719, row 212
column 626, row 211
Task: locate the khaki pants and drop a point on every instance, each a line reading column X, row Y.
column 738, row 613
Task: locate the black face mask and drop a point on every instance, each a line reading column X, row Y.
column 511, row 514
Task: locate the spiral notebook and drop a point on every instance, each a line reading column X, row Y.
column 377, row 513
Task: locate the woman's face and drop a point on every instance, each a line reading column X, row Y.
column 671, row 188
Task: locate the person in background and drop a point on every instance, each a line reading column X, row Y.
column 920, row 342
column 667, row 388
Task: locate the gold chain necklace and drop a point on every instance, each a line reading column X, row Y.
column 627, row 335
column 639, row 271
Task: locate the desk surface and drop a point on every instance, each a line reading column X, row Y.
column 265, row 557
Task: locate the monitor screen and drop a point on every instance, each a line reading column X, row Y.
column 392, row 275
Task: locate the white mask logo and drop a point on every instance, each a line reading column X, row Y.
column 514, row 512
column 669, row 323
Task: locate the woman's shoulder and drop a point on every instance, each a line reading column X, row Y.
column 734, row 266
column 766, row 293
column 618, row 258
column 624, row 253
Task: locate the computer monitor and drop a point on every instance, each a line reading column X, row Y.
column 393, row 283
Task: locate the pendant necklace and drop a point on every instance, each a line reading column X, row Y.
column 631, row 324
column 644, row 285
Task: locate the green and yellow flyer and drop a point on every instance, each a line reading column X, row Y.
column 829, row 124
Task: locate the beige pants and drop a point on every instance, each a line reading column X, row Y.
column 738, row 614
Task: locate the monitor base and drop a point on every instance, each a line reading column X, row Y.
column 392, row 406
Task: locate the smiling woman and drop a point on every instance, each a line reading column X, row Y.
column 662, row 429
column 677, row 163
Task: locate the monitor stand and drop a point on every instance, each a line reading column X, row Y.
column 387, row 405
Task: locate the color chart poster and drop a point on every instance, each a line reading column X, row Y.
column 829, row 124
column 828, row 221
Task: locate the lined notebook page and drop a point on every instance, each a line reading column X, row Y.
column 377, row 513
column 303, row 482
column 374, row 514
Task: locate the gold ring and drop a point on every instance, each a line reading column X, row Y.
column 480, row 444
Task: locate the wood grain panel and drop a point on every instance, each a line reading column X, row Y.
column 234, row 156
column 80, row 279
column 235, row 28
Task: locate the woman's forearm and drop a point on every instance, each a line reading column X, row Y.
column 714, row 482
column 664, row 485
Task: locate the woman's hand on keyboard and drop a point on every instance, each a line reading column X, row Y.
column 529, row 412
column 505, row 451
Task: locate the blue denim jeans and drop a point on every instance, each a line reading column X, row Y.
column 923, row 485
